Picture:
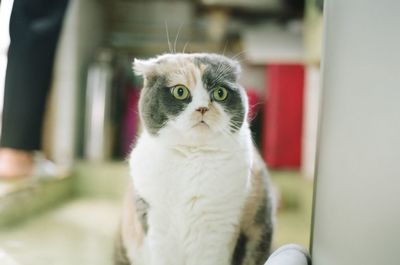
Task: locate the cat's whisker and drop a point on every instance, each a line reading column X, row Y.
column 238, row 54
column 169, row 43
column 225, row 131
column 241, row 60
column 134, row 111
column 251, row 119
column 228, row 134
column 234, row 127
column 258, row 104
column 184, row 47
column 220, row 71
column 226, row 44
column 177, row 36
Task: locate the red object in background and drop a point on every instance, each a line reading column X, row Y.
column 283, row 116
column 130, row 121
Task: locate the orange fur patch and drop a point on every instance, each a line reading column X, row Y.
column 182, row 71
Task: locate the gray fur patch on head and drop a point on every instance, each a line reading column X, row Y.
column 222, row 71
column 156, row 105
column 223, row 67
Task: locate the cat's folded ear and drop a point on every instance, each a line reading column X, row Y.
column 237, row 69
column 143, row 67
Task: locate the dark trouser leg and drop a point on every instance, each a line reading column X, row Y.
column 35, row 26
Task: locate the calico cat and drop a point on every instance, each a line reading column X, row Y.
column 200, row 192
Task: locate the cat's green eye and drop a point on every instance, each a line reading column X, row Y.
column 220, row 93
column 180, row 92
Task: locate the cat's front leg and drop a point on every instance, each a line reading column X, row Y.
column 221, row 257
column 201, row 247
column 209, row 249
column 163, row 244
column 162, row 254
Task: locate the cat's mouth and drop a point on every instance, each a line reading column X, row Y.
column 201, row 124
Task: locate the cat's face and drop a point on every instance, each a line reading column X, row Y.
column 191, row 94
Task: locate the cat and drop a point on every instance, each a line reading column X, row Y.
column 200, row 191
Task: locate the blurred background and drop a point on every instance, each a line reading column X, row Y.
column 91, row 119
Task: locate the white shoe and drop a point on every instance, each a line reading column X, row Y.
column 44, row 168
column 290, row 254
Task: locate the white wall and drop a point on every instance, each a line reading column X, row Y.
column 357, row 212
column 312, row 89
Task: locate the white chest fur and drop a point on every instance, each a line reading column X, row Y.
column 196, row 195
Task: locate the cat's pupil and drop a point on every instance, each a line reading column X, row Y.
column 220, row 93
column 180, row 91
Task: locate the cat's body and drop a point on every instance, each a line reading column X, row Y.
column 200, row 193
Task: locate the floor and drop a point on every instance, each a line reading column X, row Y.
column 81, row 231
column 295, row 208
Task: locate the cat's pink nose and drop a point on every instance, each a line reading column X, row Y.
column 202, row 110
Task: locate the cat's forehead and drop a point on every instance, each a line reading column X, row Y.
column 201, row 61
column 189, row 69
column 180, row 69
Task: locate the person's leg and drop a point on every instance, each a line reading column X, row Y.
column 35, row 26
